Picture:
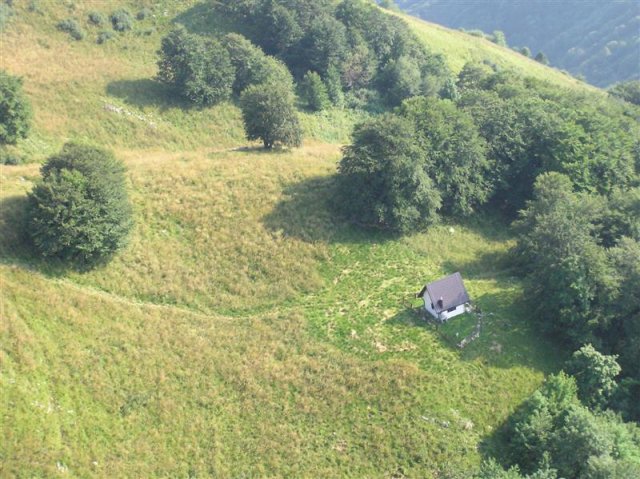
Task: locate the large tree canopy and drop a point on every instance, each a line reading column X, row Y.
column 383, row 177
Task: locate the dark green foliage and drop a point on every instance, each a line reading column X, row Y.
column 280, row 29
column 400, row 79
column 314, row 92
column 15, row 110
column 595, row 375
column 627, row 91
column 104, row 37
column 198, row 68
column 143, row 14
column 79, row 211
column 359, row 66
column 334, row 87
column 623, row 334
column 121, row 20
column 626, row 398
column 526, row 51
column 553, row 431
column 622, row 216
column 531, row 128
column 354, row 39
column 73, row 28
column 269, row 114
column 499, row 38
column 450, row 90
column 542, row 58
column 492, row 470
column 571, row 279
column 455, row 151
column 473, row 75
column 382, row 177
column 324, row 46
column 96, row 18
column 251, row 65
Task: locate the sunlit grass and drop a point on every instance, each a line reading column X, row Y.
column 245, row 331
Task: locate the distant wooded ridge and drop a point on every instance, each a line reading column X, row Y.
column 597, row 40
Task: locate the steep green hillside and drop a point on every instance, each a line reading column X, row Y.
column 244, row 332
column 600, row 40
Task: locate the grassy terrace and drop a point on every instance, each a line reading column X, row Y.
column 244, row 332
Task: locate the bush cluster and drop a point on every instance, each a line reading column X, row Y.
column 96, row 18
column 121, row 20
column 15, row 109
column 104, row 37
column 73, row 28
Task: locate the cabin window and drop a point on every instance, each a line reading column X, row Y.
column 450, row 310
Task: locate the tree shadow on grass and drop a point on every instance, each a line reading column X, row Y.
column 16, row 248
column 204, row 19
column 310, row 212
column 146, row 92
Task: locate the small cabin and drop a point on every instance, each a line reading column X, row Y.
column 445, row 298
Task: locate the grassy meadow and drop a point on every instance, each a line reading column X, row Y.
column 245, row 331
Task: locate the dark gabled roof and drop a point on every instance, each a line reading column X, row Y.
column 451, row 289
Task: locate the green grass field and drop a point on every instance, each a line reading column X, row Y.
column 244, row 332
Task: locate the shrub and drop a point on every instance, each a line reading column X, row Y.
column 15, row 110
column 121, row 20
column 314, row 92
column 104, row 37
column 80, row 211
column 143, row 14
column 73, row 28
column 382, row 179
column 269, row 114
column 96, row 18
column 595, row 375
column 542, row 58
column 10, row 158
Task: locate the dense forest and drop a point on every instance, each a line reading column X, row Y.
column 599, row 41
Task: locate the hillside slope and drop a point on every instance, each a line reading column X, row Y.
column 599, row 40
column 244, row 332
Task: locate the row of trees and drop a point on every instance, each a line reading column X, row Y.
column 206, row 71
column 485, row 143
column 353, row 46
column 580, row 254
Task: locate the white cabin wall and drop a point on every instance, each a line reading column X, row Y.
column 446, row 315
